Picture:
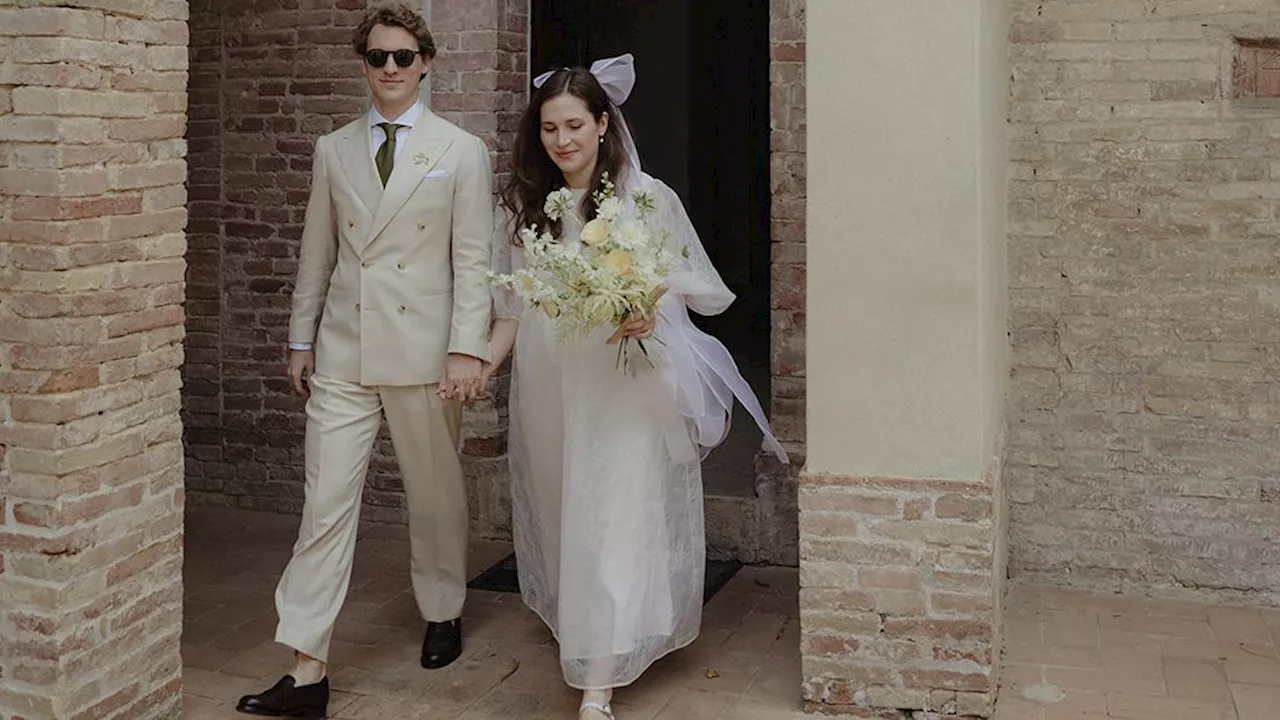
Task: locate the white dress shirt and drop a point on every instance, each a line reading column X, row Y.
column 406, row 119
column 376, row 137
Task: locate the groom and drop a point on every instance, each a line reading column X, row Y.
column 390, row 315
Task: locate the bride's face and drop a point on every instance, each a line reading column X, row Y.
column 571, row 135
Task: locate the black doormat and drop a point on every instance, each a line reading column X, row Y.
column 502, row 577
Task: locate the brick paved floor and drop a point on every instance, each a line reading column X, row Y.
column 1071, row 655
column 745, row 664
column 1076, row 655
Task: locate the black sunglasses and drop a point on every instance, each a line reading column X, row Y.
column 378, row 58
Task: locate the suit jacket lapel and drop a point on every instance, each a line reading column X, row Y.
column 357, row 162
column 422, row 150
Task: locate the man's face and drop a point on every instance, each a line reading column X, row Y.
column 394, row 87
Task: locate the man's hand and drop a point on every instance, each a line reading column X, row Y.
column 462, row 379
column 302, row 364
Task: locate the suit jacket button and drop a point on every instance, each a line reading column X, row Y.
column 402, row 308
column 399, row 266
column 357, row 306
column 422, row 226
column 351, row 223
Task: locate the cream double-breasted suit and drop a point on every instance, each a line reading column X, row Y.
column 390, row 281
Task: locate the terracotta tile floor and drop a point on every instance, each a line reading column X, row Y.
column 744, row 666
column 1076, row 655
column 1071, row 655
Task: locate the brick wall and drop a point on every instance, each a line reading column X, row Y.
column 1144, row 232
column 787, row 181
column 899, row 596
column 481, row 79
column 92, row 103
column 267, row 79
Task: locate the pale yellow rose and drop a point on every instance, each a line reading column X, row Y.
column 595, row 232
column 550, row 308
column 618, row 262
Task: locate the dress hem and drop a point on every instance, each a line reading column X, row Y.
column 625, row 683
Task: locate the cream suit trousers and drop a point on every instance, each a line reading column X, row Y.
column 343, row 419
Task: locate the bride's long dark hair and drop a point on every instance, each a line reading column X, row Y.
column 534, row 175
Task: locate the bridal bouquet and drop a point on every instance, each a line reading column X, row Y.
column 618, row 270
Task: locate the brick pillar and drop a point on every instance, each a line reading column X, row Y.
column 787, row 183
column 901, row 511
column 92, row 114
column 480, row 82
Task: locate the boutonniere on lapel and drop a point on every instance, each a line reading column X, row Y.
column 421, row 159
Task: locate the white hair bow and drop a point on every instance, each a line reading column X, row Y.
column 617, row 75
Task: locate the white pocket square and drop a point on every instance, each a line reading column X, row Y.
column 438, row 174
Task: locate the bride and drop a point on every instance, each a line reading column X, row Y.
column 606, row 477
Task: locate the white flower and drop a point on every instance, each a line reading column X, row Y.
column 610, row 209
column 558, row 203
column 631, row 234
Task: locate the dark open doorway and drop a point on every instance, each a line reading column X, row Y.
column 700, row 116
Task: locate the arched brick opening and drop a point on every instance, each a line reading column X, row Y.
column 264, row 83
column 108, row 109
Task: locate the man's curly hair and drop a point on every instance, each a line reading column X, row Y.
column 394, row 15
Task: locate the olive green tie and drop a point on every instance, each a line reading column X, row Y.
column 386, row 157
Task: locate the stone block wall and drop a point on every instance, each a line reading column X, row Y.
column 92, row 211
column 1144, row 232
